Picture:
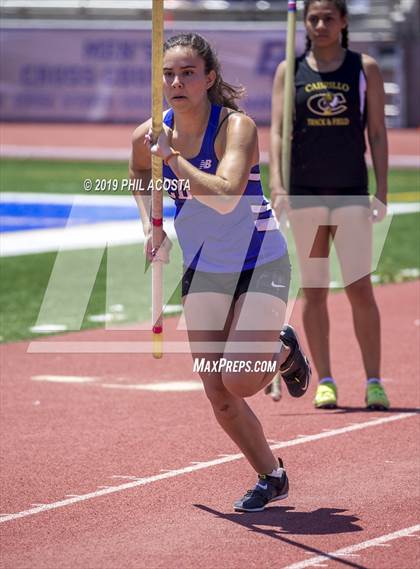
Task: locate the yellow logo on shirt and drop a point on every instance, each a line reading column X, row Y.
column 323, row 85
column 327, row 104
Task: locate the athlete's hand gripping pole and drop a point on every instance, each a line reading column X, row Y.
column 157, row 197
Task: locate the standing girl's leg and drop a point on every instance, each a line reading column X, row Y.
column 354, row 249
column 312, row 234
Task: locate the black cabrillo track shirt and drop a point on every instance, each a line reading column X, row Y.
column 328, row 133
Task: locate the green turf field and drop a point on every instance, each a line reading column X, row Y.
column 121, row 279
column 60, row 176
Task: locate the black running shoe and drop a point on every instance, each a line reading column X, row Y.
column 296, row 370
column 268, row 489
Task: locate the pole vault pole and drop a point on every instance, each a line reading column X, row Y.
column 157, row 197
column 288, row 95
column 288, row 99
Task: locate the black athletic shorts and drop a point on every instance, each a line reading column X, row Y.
column 271, row 278
column 301, row 197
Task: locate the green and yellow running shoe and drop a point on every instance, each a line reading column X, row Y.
column 376, row 398
column 326, row 396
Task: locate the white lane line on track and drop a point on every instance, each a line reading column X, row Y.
column 378, row 541
column 347, row 554
column 125, row 477
column 175, row 386
column 170, row 386
column 199, row 466
column 63, row 378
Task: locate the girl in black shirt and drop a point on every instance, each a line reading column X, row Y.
column 337, row 94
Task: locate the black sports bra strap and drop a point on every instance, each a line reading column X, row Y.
column 223, row 120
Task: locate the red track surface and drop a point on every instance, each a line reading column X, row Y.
column 401, row 141
column 67, row 439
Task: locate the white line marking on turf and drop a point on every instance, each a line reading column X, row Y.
column 402, row 208
column 72, row 238
column 69, row 199
column 108, row 317
column 200, row 466
column 357, row 547
column 48, row 328
column 172, row 308
column 63, row 378
column 95, row 234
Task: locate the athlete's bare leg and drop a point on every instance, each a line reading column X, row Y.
column 317, row 328
column 366, row 321
column 256, row 324
column 312, row 236
column 231, row 411
column 353, row 243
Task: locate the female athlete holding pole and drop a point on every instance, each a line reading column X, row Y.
column 236, row 267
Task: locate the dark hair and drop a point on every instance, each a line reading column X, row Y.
column 221, row 93
column 341, row 6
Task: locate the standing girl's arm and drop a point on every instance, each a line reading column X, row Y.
column 276, row 186
column 377, row 133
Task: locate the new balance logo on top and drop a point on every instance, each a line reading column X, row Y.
column 205, row 164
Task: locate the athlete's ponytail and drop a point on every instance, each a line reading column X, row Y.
column 341, row 6
column 221, row 92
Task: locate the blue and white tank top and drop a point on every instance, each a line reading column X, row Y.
column 245, row 238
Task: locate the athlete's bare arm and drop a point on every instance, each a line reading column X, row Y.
column 276, row 186
column 377, row 135
column 222, row 190
column 140, row 169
